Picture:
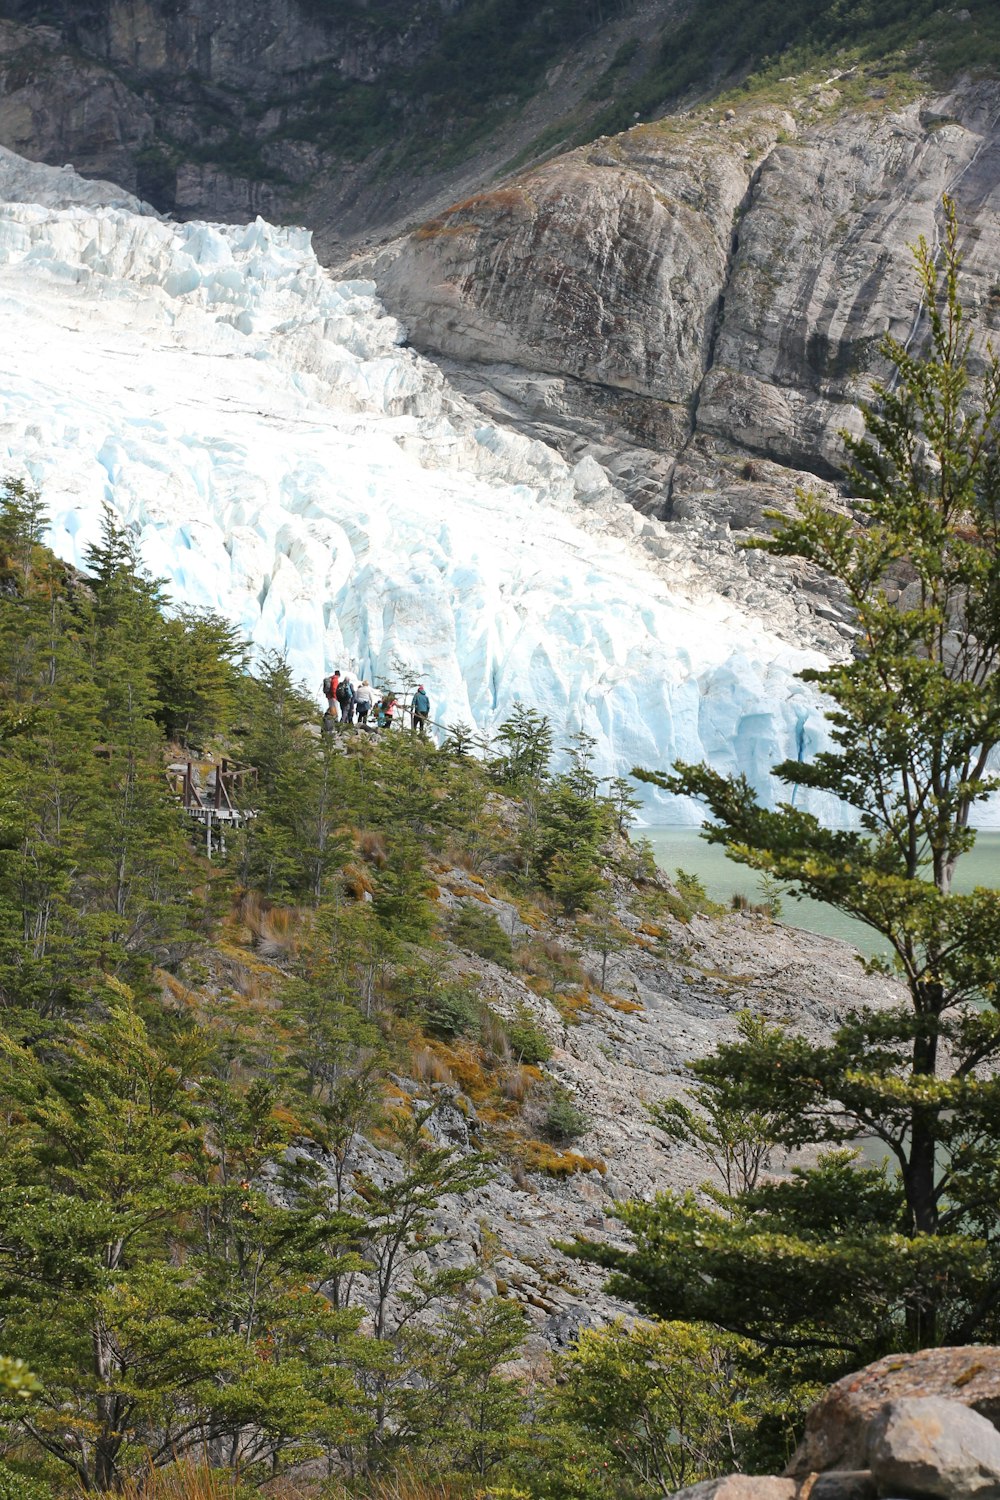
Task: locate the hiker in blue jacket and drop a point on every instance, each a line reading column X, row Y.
column 419, row 710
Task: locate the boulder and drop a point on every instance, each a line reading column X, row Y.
column 926, row 1445
column 740, row 1487
column 841, row 1484
column 836, row 1428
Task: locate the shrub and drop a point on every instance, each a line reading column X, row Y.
column 14, row 1486
column 451, row 1011
column 564, row 1120
column 694, row 895
column 478, row 930
column 528, row 1041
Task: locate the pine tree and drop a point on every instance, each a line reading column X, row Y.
column 841, row 1261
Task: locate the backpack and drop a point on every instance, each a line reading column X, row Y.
column 327, row 685
column 344, row 694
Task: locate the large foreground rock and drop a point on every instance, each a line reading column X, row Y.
column 926, row 1445
column 836, row 1435
column 741, row 1487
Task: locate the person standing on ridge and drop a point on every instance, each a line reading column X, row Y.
column 363, row 701
column 345, row 697
column 330, row 686
column 419, row 709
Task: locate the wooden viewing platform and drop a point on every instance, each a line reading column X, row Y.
column 210, row 792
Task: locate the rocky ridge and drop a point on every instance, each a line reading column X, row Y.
column 674, row 992
column 217, row 109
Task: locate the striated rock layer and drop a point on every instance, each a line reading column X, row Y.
column 707, row 289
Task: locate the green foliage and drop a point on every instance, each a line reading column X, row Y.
column 565, row 839
column 624, row 802
column 667, row 1401
column 294, row 849
column 96, row 873
column 692, row 892
column 528, row 1041
column 564, row 1120
column 468, row 1412
column 17, row 1379
column 451, row 1010
column 16, row 1486
column 843, row 1260
column 734, row 1133
column 106, row 1168
column 476, row 929
column 199, row 667
column 605, row 936
column 724, row 40
column 525, row 741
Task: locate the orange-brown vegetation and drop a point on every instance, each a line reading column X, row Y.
column 539, row 1156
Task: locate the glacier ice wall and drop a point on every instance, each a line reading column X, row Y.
column 285, row 460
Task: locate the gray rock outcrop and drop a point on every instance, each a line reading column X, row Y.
column 836, row 1435
column 930, row 1446
column 741, row 1487
column 734, row 277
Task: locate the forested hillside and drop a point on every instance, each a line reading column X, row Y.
column 238, row 1094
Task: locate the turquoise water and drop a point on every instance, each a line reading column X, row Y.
column 686, row 849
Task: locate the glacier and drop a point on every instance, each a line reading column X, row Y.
column 284, row 458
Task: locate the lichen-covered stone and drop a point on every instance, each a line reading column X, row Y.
column 836, row 1435
column 929, row 1446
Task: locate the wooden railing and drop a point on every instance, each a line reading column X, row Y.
column 215, row 794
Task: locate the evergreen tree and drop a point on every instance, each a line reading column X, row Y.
column 624, row 801
column 160, row 1294
column 199, row 666
column 843, row 1261
column 525, row 738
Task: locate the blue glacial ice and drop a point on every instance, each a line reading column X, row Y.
column 284, row 459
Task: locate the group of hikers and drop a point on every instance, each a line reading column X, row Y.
column 349, row 701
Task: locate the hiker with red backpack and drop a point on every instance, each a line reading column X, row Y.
column 330, row 686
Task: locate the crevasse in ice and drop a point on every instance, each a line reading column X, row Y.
column 285, row 460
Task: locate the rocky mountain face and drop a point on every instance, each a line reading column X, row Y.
column 695, row 304
column 348, row 116
column 698, row 303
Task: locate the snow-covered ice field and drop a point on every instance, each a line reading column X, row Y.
column 285, row 460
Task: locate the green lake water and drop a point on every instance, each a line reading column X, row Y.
column 684, row 848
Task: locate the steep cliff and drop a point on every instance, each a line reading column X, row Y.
column 345, row 113
column 360, row 117
column 714, row 284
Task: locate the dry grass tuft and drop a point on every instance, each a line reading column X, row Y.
column 178, row 991
column 274, row 929
column 184, row 1481
column 403, row 1486
column 493, row 1034
column 619, row 1003
column 517, row 1082
column 372, row 848
column 357, row 882
column 465, row 1063
column 572, row 1005
column 539, row 1156
column 544, row 958
column 426, row 1066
